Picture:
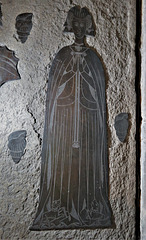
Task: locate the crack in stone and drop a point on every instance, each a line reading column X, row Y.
column 33, row 125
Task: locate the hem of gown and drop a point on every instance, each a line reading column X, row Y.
column 35, row 228
column 107, row 224
column 96, row 220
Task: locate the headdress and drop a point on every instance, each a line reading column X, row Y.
column 80, row 13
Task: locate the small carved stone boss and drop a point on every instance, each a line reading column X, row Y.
column 17, row 144
column 23, row 26
column 8, row 65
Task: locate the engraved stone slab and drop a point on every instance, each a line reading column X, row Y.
column 17, row 144
column 23, row 26
column 74, row 175
column 121, row 125
column 8, row 65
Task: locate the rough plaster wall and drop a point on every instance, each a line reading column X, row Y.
column 22, row 105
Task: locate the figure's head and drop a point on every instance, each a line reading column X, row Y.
column 23, row 25
column 24, row 22
column 80, row 22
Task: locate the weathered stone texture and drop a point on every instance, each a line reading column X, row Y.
column 22, row 106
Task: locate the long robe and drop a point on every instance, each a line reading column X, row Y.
column 74, row 171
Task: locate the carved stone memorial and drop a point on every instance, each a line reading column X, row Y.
column 17, row 144
column 8, row 65
column 74, row 171
column 23, row 26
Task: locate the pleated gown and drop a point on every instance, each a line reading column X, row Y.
column 74, row 171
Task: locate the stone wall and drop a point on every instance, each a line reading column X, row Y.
column 22, row 104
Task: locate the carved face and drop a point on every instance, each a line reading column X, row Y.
column 79, row 27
